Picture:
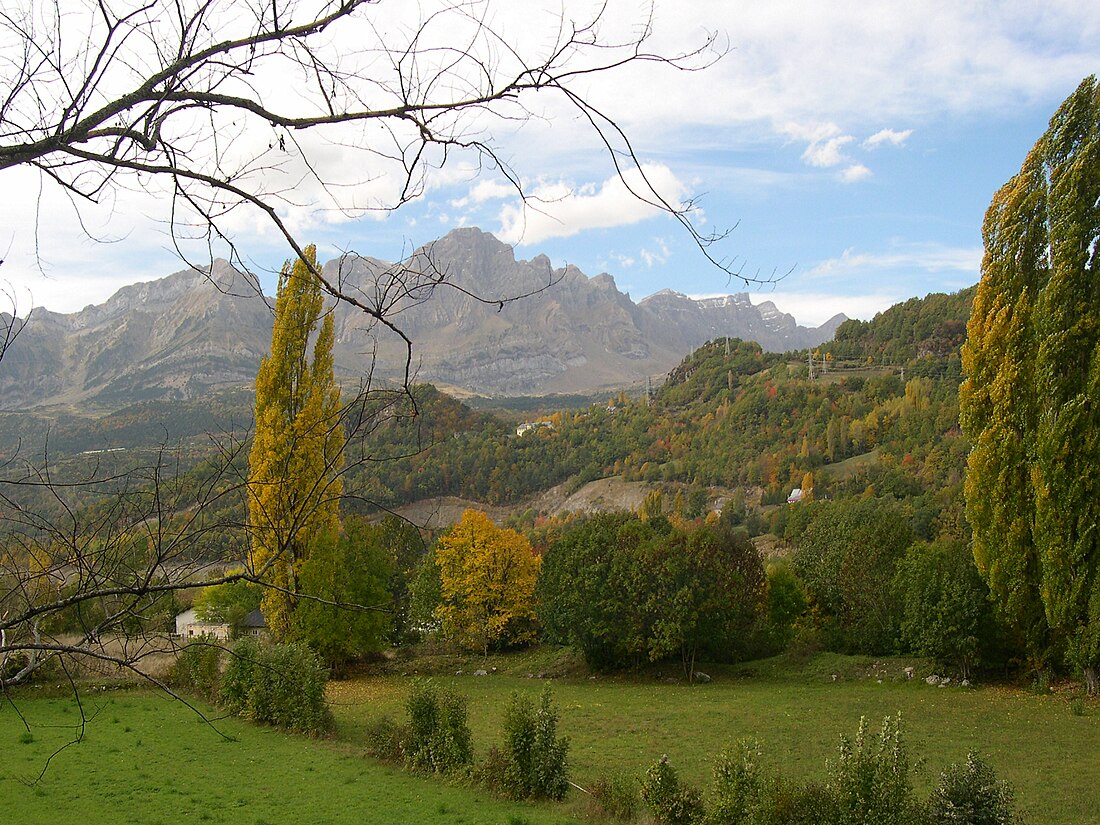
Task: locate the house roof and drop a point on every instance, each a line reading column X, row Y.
column 254, row 619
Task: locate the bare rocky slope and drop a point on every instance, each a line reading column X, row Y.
column 193, row 332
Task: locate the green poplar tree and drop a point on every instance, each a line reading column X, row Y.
column 1067, row 378
column 294, row 481
column 1031, row 400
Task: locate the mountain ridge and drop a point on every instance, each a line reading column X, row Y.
column 195, row 331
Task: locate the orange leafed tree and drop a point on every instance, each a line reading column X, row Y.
column 487, row 584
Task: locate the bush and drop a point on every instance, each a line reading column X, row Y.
column 871, row 780
column 491, row 772
column 383, row 739
column 970, row 794
column 790, row 804
column 198, row 670
column 614, row 797
column 438, row 736
column 536, row 754
column 870, row 784
column 738, row 785
column 670, row 802
column 237, row 679
column 288, row 689
column 281, row 685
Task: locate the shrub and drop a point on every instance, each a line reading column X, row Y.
column 970, row 794
column 614, row 797
column 281, row 685
column 738, row 785
column 785, row 803
column 491, row 772
column 871, row 780
column 438, row 736
column 198, row 670
column 671, row 802
column 453, row 746
column 288, row 689
column 237, row 679
column 383, row 739
column 536, row 754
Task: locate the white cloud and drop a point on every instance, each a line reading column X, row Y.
column 485, row 190
column 924, row 257
column 855, row 172
column 826, row 149
column 558, row 209
column 887, row 136
column 656, row 256
column 843, row 62
column 491, row 189
column 827, row 153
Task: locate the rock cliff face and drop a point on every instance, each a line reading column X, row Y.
column 176, row 337
column 194, row 331
column 695, row 321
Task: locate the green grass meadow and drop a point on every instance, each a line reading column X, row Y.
column 621, row 726
column 145, row 758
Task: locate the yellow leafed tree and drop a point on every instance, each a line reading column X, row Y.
column 487, row 584
column 294, row 468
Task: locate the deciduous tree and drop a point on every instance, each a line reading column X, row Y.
column 345, row 609
column 946, row 612
column 1032, row 362
column 487, row 584
column 297, row 452
column 847, row 557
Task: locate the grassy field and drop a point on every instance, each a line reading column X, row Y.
column 799, row 715
column 148, row 759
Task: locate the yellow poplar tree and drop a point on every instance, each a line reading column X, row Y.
column 487, row 584
column 294, row 468
column 808, row 487
column 1029, row 401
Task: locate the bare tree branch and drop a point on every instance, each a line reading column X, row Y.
column 225, row 110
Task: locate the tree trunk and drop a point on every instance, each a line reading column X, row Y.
column 1092, row 681
column 687, row 658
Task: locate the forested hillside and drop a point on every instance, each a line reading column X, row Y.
column 880, row 414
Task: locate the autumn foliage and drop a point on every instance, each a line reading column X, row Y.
column 487, row 584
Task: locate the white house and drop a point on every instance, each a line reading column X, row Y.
column 188, row 626
column 795, row 496
column 522, row 429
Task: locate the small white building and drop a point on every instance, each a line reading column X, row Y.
column 529, row 426
column 188, row 626
column 795, row 496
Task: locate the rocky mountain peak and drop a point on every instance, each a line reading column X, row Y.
column 185, row 334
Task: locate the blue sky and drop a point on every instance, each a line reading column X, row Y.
column 854, row 146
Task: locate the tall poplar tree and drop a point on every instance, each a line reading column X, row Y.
column 1031, row 399
column 294, row 481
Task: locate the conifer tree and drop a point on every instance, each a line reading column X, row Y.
column 1030, row 400
column 297, row 455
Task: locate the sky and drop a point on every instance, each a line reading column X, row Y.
column 850, row 149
